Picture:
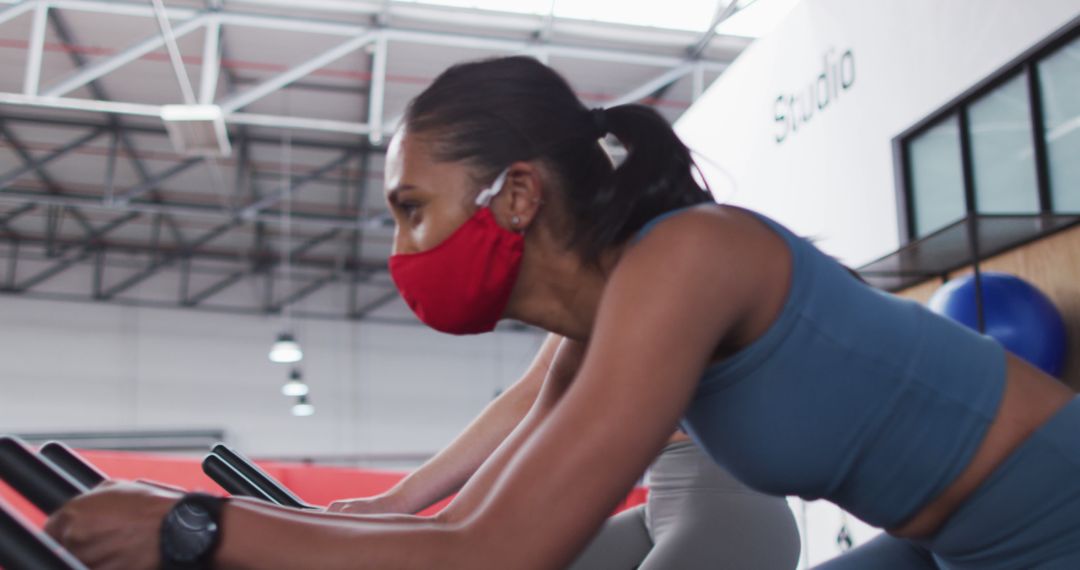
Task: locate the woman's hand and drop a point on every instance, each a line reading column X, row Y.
column 114, row 526
column 376, row 505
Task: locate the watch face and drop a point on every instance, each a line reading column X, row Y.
column 190, row 533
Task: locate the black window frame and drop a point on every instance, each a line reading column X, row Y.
column 1026, row 64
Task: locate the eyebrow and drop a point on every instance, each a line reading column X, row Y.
column 392, row 195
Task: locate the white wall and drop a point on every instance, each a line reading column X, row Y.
column 376, row 387
column 832, row 179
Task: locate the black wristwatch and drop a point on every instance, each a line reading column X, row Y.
column 191, row 532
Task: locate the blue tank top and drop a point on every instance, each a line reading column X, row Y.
column 852, row 395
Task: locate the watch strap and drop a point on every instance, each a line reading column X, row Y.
column 213, row 506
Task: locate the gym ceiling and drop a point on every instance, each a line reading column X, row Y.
column 227, row 155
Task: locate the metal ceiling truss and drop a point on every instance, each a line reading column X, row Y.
column 375, row 38
column 111, row 200
column 131, row 264
column 116, row 267
column 120, row 137
column 94, row 251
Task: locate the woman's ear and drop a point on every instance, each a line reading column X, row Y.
column 517, row 206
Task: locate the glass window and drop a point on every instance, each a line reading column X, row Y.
column 1002, row 150
column 1059, row 78
column 937, row 177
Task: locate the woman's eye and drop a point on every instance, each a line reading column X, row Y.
column 408, row 208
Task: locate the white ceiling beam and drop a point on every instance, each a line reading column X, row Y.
column 382, row 19
column 114, row 107
column 515, row 46
column 394, row 123
column 457, row 40
column 697, row 88
column 359, row 35
column 652, row 86
column 175, row 58
column 37, row 46
column 96, row 70
column 120, row 8
column 547, row 24
column 303, row 123
column 491, row 19
column 240, row 100
column 15, row 10
column 211, row 62
column 143, row 110
column 339, row 6
column 301, row 24
column 723, row 12
column 377, row 91
column 15, row 196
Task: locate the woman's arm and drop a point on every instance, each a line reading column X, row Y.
column 564, row 366
column 96, row 527
column 672, row 299
column 662, row 316
column 449, row 469
column 670, row 303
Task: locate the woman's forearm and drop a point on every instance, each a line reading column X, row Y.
column 448, row 471
column 309, row 539
column 318, row 515
column 534, row 506
column 266, row 537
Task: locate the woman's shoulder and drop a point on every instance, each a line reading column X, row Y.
column 739, row 257
column 729, row 232
column 709, row 269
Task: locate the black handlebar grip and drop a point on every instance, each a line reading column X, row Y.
column 22, row 546
column 232, row 480
column 278, row 492
column 71, row 463
column 42, row 483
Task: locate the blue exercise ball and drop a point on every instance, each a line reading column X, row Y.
column 1016, row 314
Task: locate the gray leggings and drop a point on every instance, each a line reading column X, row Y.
column 697, row 516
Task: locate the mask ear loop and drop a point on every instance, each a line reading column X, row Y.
column 486, row 195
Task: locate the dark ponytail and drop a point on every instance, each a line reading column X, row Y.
column 655, row 177
column 494, row 112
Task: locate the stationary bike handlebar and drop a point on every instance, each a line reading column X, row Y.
column 38, row 479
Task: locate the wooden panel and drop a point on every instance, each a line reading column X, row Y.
column 921, row 292
column 1053, row 265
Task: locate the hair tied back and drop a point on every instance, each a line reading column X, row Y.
column 598, row 116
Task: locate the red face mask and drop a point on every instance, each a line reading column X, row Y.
column 462, row 285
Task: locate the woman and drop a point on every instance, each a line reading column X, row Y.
column 697, row 515
column 781, row 366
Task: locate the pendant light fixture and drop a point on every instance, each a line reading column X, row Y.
column 303, row 408
column 285, row 348
column 295, row 386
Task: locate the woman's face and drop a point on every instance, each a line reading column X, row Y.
column 429, row 199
